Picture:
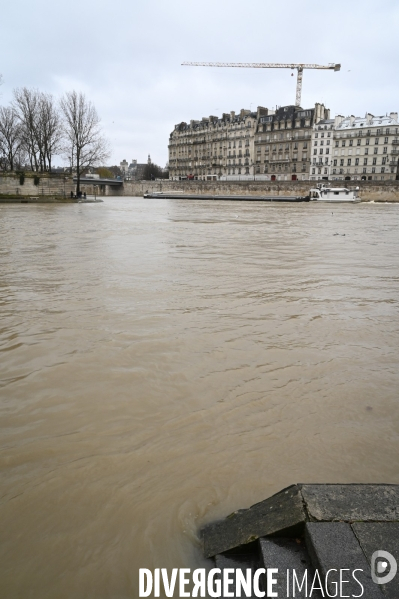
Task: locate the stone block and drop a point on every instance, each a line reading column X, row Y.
column 375, row 536
column 281, row 512
column 237, row 562
column 333, row 545
column 351, row 502
column 288, row 555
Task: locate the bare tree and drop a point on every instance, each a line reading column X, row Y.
column 40, row 126
column 26, row 105
column 50, row 130
column 85, row 146
column 10, row 136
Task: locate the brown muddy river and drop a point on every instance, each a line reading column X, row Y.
column 165, row 362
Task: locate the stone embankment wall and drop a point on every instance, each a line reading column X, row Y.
column 52, row 185
column 47, row 186
column 384, row 191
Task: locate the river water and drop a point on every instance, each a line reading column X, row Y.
column 166, row 362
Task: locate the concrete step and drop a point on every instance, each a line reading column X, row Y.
column 289, row 556
column 377, row 536
column 239, row 563
column 333, row 547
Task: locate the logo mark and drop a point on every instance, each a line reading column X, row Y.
column 383, row 567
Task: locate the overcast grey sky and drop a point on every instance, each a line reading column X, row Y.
column 126, row 56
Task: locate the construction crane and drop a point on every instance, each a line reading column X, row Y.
column 270, row 65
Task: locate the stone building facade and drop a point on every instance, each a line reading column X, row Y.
column 283, row 141
column 214, row 147
column 267, row 144
column 356, row 148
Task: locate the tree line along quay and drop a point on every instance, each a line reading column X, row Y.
column 35, row 128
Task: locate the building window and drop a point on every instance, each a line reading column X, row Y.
column 334, row 171
column 366, row 151
column 364, row 170
column 327, row 150
column 365, row 161
column 357, row 161
column 384, row 160
column 373, row 169
column 315, row 151
column 351, row 142
column 376, row 140
column 374, row 160
column 385, row 150
column 349, row 161
column 341, row 162
column 336, row 144
column 359, row 141
column 321, row 150
column 367, row 142
column 383, row 169
column 375, row 150
column 313, row 171
column 335, row 162
column 343, row 143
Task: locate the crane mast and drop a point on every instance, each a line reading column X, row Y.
column 270, row 65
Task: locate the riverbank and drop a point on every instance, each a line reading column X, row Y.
column 369, row 191
column 19, row 199
column 13, row 185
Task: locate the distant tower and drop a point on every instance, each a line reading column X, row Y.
column 149, row 159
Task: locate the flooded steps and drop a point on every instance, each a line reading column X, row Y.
column 311, row 534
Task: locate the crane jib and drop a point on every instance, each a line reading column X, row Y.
column 270, row 65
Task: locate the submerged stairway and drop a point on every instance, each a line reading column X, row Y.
column 313, row 528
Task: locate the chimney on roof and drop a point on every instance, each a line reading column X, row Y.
column 232, row 114
column 262, row 111
column 319, row 112
column 369, row 118
column 394, row 115
column 351, row 119
column 338, row 120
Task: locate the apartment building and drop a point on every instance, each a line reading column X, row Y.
column 214, row 147
column 356, row 148
column 283, row 142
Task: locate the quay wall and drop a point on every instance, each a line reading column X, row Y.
column 47, row 186
column 377, row 191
